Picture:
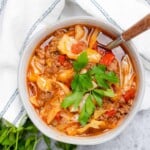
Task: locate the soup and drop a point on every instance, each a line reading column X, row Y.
column 76, row 86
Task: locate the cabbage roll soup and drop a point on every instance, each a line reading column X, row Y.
column 77, row 87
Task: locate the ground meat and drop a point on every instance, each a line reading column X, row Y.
column 59, row 33
column 118, row 115
column 124, row 109
column 107, row 104
column 52, row 46
column 33, row 90
column 71, row 29
column 130, row 102
column 42, row 61
column 51, row 70
column 113, row 66
column 112, row 120
column 67, row 65
column 45, row 95
column 121, row 108
column 40, row 53
column 53, row 65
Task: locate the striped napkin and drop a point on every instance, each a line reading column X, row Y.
column 19, row 20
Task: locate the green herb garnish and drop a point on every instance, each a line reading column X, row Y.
column 65, row 146
column 72, row 99
column 25, row 137
column 83, row 84
column 86, row 111
column 102, row 77
column 81, row 62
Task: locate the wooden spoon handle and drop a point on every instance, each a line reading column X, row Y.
column 141, row 26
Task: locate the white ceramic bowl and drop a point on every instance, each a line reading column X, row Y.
column 51, row 132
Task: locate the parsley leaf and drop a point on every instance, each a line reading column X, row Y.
column 81, row 62
column 65, row 146
column 108, row 92
column 101, row 82
column 71, row 99
column 85, row 81
column 84, row 116
column 75, row 83
column 87, row 111
column 97, row 98
column 82, row 82
column 98, row 69
column 102, row 77
column 111, row 76
column 90, row 107
column 25, row 137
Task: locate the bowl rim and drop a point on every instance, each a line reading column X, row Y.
column 53, row 133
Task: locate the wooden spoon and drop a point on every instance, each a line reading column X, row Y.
column 136, row 29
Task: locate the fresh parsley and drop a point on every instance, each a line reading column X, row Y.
column 103, row 77
column 72, row 99
column 107, row 93
column 65, row 146
column 83, row 84
column 86, row 111
column 81, row 62
column 25, row 137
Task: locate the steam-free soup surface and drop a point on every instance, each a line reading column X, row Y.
column 76, row 86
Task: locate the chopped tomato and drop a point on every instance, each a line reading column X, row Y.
column 61, row 59
column 79, row 47
column 58, row 117
column 110, row 113
column 129, row 94
column 107, row 59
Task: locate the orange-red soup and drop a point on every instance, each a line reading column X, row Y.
column 51, row 73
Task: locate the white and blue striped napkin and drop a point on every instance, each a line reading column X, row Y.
column 19, row 20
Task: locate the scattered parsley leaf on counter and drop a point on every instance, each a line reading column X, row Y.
column 65, row 146
column 25, row 137
column 47, row 142
column 81, row 62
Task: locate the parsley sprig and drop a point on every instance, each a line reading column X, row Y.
column 83, row 84
column 26, row 137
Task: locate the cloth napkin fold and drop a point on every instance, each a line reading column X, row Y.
column 19, row 20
